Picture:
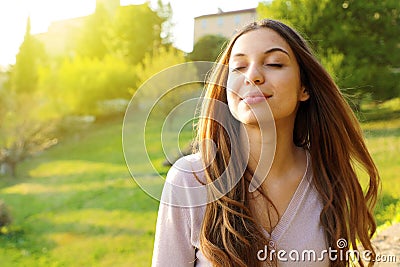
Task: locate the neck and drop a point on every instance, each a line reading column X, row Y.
column 271, row 155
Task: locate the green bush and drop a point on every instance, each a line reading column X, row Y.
column 80, row 85
column 5, row 216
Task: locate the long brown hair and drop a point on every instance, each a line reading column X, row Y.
column 325, row 125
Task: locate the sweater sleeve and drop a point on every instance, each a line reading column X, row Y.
column 173, row 239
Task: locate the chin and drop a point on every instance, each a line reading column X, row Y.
column 251, row 117
column 254, row 122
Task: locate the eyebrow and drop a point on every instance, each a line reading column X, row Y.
column 269, row 51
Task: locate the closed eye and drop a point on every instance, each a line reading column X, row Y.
column 275, row 65
column 237, row 69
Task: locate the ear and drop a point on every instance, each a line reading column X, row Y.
column 303, row 95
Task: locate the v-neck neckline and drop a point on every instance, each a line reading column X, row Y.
column 293, row 206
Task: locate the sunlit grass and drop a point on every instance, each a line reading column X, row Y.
column 70, row 167
column 381, row 127
column 76, row 205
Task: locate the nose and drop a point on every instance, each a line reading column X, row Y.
column 254, row 75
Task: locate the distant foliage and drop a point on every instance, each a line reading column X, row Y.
column 357, row 40
column 157, row 61
column 23, row 130
column 104, row 68
column 93, row 38
column 155, row 64
column 79, row 84
column 135, row 31
column 94, row 77
column 164, row 11
column 24, row 73
column 208, row 48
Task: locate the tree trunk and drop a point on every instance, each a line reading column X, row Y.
column 10, row 168
column 13, row 169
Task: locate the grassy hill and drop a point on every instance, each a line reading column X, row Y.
column 76, row 204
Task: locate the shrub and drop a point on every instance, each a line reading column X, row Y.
column 5, row 216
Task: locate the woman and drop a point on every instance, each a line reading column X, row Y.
column 308, row 207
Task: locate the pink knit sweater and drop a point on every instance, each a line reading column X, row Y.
column 298, row 239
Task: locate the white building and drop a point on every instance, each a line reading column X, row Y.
column 222, row 23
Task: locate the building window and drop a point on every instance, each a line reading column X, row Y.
column 204, row 24
column 237, row 20
column 220, row 21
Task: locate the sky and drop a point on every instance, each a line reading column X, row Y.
column 14, row 14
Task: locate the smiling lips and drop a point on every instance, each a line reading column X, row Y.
column 255, row 98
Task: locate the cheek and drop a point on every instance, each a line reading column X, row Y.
column 234, row 82
column 232, row 99
column 289, row 86
column 233, row 102
column 233, row 89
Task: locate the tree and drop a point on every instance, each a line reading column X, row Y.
column 134, row 32
column 80, row 84
column 31, row 55
column 208, row 48
column 164, row 87
column 164, row 11
column 93, row 37
column 22, row 130
column 358, row 39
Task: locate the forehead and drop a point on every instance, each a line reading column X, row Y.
column 258, row 41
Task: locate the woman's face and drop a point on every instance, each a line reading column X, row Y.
column 263, row 70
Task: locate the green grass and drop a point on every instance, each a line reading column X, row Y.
column 381, row 126
column 76, row 204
